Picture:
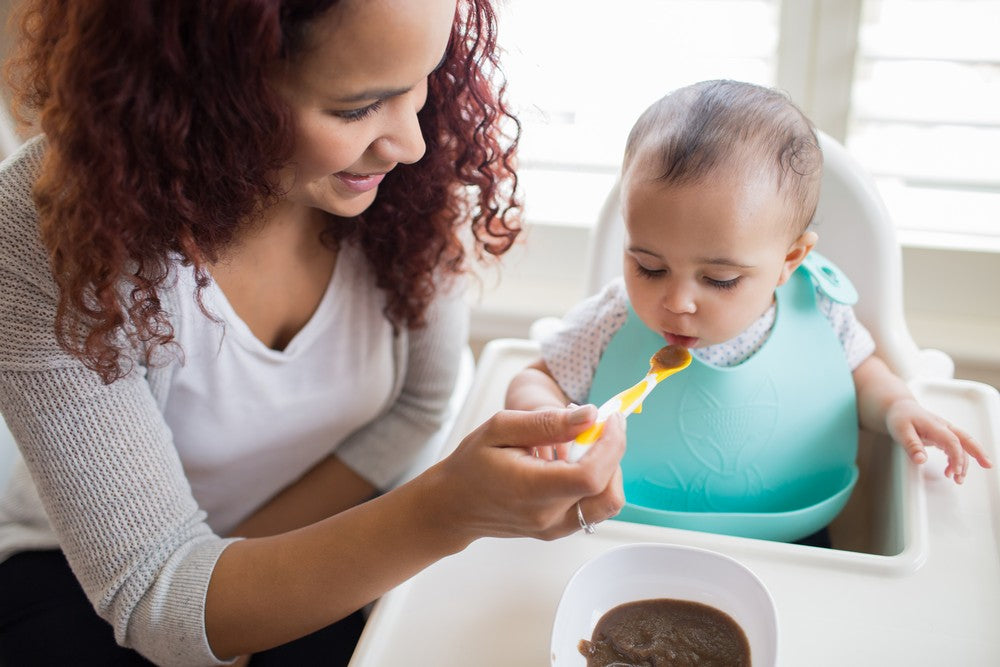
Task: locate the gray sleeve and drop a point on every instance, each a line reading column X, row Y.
column 102, row 461
column 114, row 492
column 428, row 360
column 573, row 351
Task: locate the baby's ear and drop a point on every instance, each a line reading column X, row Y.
column 796, row 254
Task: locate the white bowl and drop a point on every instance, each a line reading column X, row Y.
column 645, row 571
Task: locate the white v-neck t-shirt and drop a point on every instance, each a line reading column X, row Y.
column 248, row 420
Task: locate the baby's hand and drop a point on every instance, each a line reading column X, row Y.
column 914, row 427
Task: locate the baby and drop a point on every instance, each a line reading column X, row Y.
column 719, row 183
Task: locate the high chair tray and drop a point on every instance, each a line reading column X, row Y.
column 928, row 593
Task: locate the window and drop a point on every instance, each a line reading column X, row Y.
column 581, row 72
column 912, row 87
column 925, row 116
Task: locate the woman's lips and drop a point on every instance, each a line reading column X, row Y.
column 359, row 182
column 683, row 341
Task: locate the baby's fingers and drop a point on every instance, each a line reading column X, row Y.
column 912, row 443
column 958, row 460
column 972, row 446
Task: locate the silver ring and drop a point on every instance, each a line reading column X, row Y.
column 587, row 527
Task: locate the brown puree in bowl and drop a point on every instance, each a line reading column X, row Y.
column 660, row 632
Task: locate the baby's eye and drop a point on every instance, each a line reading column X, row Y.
column 649, row 273
column 723, row 284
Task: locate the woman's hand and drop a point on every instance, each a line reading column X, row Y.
column 915, row 427
column 495, row 486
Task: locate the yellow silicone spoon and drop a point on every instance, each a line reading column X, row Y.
column 667, row 361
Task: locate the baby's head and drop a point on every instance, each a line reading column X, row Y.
column 719, row 183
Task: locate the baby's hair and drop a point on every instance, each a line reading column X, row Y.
column 696, row 130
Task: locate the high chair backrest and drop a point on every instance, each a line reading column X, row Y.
column 855, row 232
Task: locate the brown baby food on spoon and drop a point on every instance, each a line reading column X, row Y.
column 661, row 632
column 670, row 358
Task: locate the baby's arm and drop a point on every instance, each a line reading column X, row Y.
column 886, row 405
column 534, row 388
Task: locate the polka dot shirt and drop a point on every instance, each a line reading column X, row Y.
column 574, row 350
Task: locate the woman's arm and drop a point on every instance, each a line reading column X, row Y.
column 267, row 591
column 330, row 487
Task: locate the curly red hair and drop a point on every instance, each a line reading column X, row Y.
column 163, row 138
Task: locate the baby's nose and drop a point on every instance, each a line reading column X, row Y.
column 679, row 301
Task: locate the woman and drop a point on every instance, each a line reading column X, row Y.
column 231, row 316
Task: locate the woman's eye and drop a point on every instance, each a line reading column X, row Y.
column 359, row 114
column 723, row 284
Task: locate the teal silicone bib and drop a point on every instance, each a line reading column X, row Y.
column 763, row 449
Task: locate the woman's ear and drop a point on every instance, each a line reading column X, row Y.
column 796, row 254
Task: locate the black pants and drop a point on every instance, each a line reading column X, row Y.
column 45, row 619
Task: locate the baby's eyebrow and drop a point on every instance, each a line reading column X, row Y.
column 724, row 261
column 713, row 261
column 635, row 248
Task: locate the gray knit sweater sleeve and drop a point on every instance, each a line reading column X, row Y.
column 383, row 450
column 100, row 456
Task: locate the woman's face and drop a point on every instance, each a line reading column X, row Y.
column 355, row 92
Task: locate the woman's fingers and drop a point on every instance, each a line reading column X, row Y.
column 595, row 482
column 499, row 488
column 600, row 507
column 515, row 428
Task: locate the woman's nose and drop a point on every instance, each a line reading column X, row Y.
column 402, row 140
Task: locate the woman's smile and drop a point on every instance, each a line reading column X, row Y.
column 360, row 182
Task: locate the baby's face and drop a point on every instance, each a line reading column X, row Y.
column 702, row 260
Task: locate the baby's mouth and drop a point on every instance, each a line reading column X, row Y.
column 683, row 341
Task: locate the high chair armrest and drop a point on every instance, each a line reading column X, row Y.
column 934, row 365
